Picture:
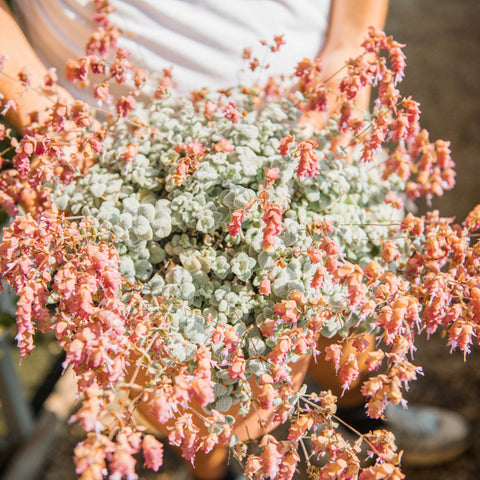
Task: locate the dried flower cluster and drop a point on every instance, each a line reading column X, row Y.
column 211, row 243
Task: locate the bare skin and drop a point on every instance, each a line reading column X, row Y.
column 20, row 55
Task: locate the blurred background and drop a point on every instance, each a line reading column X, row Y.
column 443, row 74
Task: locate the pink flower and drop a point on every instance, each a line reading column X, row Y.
column 333, row 352
column 182, row 388
column 202, row 390
column 288, row 466
column 185, row 435
column 265, row 287
column 162, row 407
column 279, row 353
column 271, row 457
column 209, row 109
column 102, row 93
column 235, row 224
column 272, row 174
column 444, row 160
column 223, row 146
column 460, row 335
column 278, row 39
column 125, row 105
column 314, row 254
column 267, row 396
column 139, row 78
column 349, row 371
column 374, row 360
column 273, row 225
column 319, row 277
column 253, row 465
column 77, row 71
column 152, row 452
column 308, row 159
column 285, row 144
column 237, row 366
column 230, row 340
column 268, row 327
column 287, row 311
column 90, row 456
column 230, row 111
column 130, row 152
column 397, row 58
column 254, row 64
column 300, row 426
column 8, row 204
column 25, row 325
column 122, row 464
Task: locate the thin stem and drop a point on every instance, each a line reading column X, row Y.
column 345, row 424
column 53, row 101
column 343, row 67
column 7, row 150
column 145, row 354
column 304, row 449
column 333, row 75
column 27, row 86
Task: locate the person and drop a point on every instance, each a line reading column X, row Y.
column 203, row 41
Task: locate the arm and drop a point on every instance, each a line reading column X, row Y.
column 349, row 22
column 20, row 54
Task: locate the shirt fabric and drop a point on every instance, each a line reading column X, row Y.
column 202, row 40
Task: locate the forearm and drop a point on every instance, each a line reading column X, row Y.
column 349, row 22
column 20, row 55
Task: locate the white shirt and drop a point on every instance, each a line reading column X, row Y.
column 202, row 40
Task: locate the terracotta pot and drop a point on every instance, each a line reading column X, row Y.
column 245, row 427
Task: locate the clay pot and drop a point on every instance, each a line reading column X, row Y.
column 248, row 427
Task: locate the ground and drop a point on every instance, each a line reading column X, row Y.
column 443, row 51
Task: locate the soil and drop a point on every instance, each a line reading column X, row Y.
column 443, row 52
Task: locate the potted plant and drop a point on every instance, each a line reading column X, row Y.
column 215, row 238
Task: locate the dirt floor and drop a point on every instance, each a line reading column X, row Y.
column 443, row 58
